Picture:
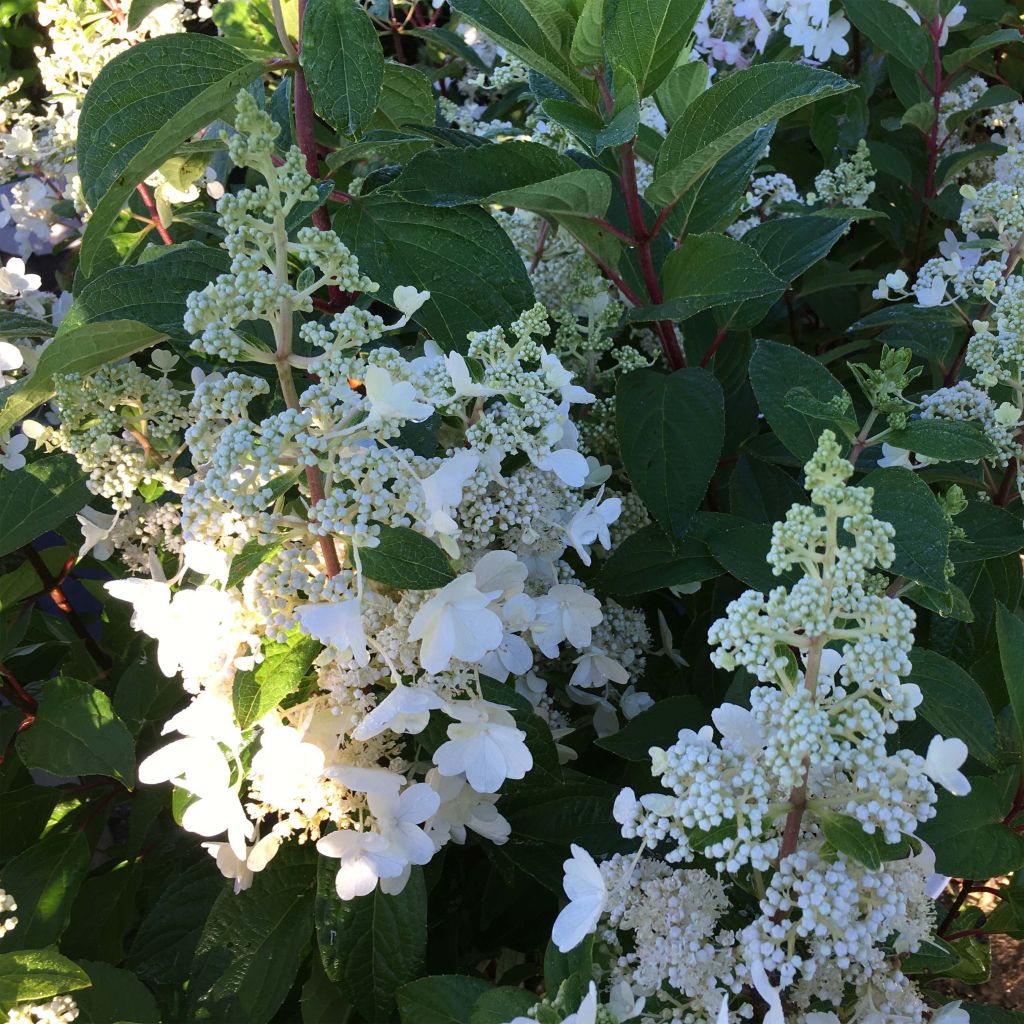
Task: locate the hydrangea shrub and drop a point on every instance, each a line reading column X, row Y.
column 510, row 511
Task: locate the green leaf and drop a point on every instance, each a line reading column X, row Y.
column 255, row 692
column 712, row 270
column 741, row 549
column 949, row 440
column 79, row 351
column 1000, row 37
column 371, row 945
column 270, row 924
column 152, row 293
column 115, row 995
column 954, row 704
column 646, row 36
column 39, row 497
column 922, row 531
column 968, row 835
column 847, row 835
column 774, row 370
column 248, row 560
column 682, row 85
column 455, row 177
column 140, row 10
column 500, row 1005
column 77, row 733
column 406, row 559
column 670, row 429
column 649, row 560
column 788, row 247
column 890, row 29
column 141, row 107
column 406, row 98
column 165, row 943
column 591, row 130
column 1010, row 633
column 140, row 92
column 933, row 956
column 587, row 48
column 475, row 277
column 343, row 63
column 718, row 193
column 986, row 1014
column 538, row 32
column 727, row 113
column 17, row 325
column 575, row 809
column 37, row 974
column 658, row 726
column 440, row 999
column 573, row 970
column 44, row 881
column 990, row 532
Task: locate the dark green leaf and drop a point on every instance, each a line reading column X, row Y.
column 44, row 881
column 891, row 30
column 475, row 277
column 77, row 733
column 670, row 429
column 774, row 370
column 922, row 531
column 1010, row 631
column 990, row 532
column 455, row 177
column 371, row 945
column 153, row 292
column 406, row 559
column 968, row 834
column 730, row 111
column 164, row 945
column 538, row 32
column 646, row 36
column 17, row 325
column 954, row 704
column 269, row 924
column 950, row 440
column 847, row 835
column 658, row 726
column 501, row 1005
column 115, row 995
column 648, row 560
column 440, row 999
column 343, row 63
column 141, row 107
column 39, row 497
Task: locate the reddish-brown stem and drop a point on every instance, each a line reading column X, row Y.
column 604, row 225
column 538, row 249
column 966, row 887
column 710, row 354
column 20, row 695
column 147, row 199
column 664, row 328
column 614, row 276
column 931, row 138
column 56, row 593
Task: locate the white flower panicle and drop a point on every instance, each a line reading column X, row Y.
column 767, row 804
column 408, row 724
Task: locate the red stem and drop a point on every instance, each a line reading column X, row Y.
column 710, row 354
column 665, row 328
column 56, row 593
column 147, row 199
